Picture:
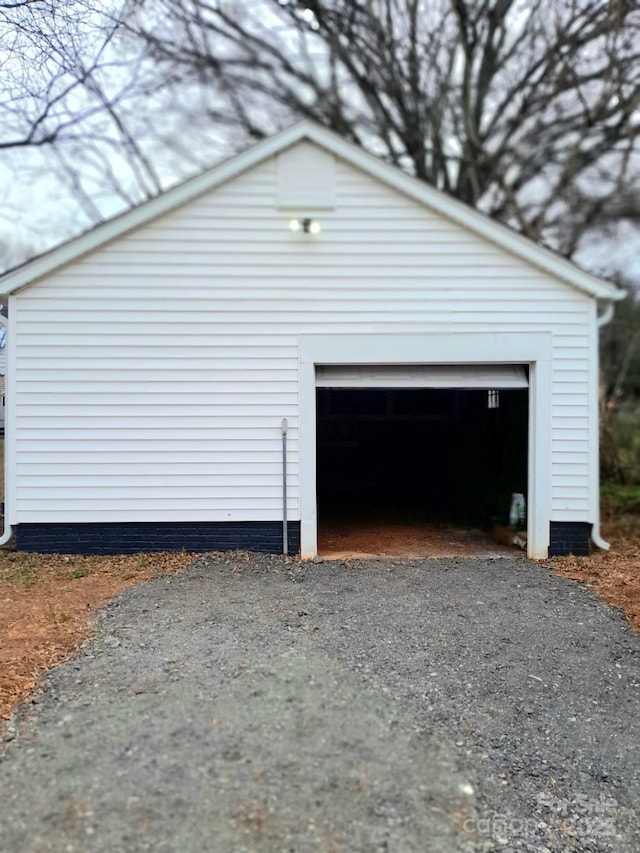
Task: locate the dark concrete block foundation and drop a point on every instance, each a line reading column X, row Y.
column 570, row 537
column 135, row 537
column 566, row 537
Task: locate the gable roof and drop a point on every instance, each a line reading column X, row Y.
column 421, row 192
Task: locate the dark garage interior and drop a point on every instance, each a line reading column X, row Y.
column 387, row 455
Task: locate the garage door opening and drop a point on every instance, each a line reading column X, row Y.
column 400, row 464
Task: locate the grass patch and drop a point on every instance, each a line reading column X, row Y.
column 620, row 506
column 620, row 499
column 80, row 572
column 23, row 575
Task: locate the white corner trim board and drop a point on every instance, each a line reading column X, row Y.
column 8, row 532
column 598, row 321
column 533, row 349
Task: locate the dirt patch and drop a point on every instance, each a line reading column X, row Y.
column 46, row 602
column 360, row 539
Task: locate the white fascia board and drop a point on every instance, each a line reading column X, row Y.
column 150, row 210
column 447, row 206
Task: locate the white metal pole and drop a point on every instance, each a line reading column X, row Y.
column 285, row 532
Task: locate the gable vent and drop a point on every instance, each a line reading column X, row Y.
column 306, row 179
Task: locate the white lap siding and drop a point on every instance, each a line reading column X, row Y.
column 152, row 376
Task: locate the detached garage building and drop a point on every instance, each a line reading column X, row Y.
column 421, row 354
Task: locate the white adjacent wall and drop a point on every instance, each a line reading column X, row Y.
column 150, row 378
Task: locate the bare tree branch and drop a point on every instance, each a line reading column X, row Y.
column 530, row 112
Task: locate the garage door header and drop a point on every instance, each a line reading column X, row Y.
column 469, row 376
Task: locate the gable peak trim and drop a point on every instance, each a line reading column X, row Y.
column 305, row 130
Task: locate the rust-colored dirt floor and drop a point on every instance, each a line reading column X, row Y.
column 352, row 539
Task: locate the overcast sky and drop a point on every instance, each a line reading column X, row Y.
column 38, row 209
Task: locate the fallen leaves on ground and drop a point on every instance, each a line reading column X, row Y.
column 613, row 575
column 46, row 603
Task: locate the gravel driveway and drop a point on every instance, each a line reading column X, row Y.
column 258, row 704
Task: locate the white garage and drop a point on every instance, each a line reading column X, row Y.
column 419, row 353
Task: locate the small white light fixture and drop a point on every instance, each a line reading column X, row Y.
column 306, row 225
